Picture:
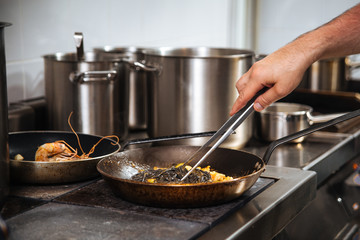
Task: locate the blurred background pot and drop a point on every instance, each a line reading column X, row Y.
column 328, row 75
column 137, row 85
column 4, row 139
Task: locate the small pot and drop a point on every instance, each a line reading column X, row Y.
column 282, row 119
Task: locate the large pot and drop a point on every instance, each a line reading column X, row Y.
column 137, row 86
column 4, row 145
column 95, row 89
column 193, row 91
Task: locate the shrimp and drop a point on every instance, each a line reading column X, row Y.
column 54, row 152
column 62, row 151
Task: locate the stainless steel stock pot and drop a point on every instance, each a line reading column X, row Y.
column 193, row 89
column 137, row 85
column 94, row 88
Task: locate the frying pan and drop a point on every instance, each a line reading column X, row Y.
column 34, row 172
column 244, row 167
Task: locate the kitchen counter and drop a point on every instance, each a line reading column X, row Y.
column 89, row 210
column 322, row 152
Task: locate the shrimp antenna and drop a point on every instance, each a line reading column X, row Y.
column 72, row 129
column 108, row 137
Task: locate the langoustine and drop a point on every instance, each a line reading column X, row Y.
column 62, row 151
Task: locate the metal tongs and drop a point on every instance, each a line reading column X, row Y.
column 225, row 131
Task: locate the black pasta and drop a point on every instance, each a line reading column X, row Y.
column 173, row 175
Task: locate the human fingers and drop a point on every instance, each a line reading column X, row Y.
column 246, row 89
column 273, row 94
column 278, row 90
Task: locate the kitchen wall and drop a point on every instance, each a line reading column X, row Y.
column 281, row 21
column 47, row 26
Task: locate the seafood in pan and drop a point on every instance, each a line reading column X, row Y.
column 175, row 173
column 60, row 150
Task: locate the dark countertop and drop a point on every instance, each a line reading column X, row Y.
column 98, row 209
column 89, row 210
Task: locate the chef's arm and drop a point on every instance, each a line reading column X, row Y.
column 283, row 70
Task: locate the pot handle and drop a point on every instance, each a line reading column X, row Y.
column 93, row 76
column 351, row 64
column 323, row 117
column 137, row 66
column 307, row 131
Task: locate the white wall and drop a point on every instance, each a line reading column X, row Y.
column 47, row 26
column 281, row 21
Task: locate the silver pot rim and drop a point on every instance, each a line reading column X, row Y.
column 90, row 57
column 121, row 49
column 199, row 52
column 287, row 109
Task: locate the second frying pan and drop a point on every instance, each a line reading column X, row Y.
column 31, row 171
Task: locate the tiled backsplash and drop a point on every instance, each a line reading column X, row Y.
column 42, row 27
column 281, row 21
column 47, row 26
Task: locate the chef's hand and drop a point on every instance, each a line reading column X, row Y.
column 281, row 72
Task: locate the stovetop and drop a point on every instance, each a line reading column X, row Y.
column 98, row 197
column 90, row 210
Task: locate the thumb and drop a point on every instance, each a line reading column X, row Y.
column 271, row 95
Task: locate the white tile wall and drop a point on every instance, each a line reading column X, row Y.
column 281, row 21
column 47, row 26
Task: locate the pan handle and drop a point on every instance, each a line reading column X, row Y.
column 166, row 138
column 307, row 131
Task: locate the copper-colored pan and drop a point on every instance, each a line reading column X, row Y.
column 30, row 171
column 244, row 167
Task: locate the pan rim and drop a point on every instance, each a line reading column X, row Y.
column 262, row 169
